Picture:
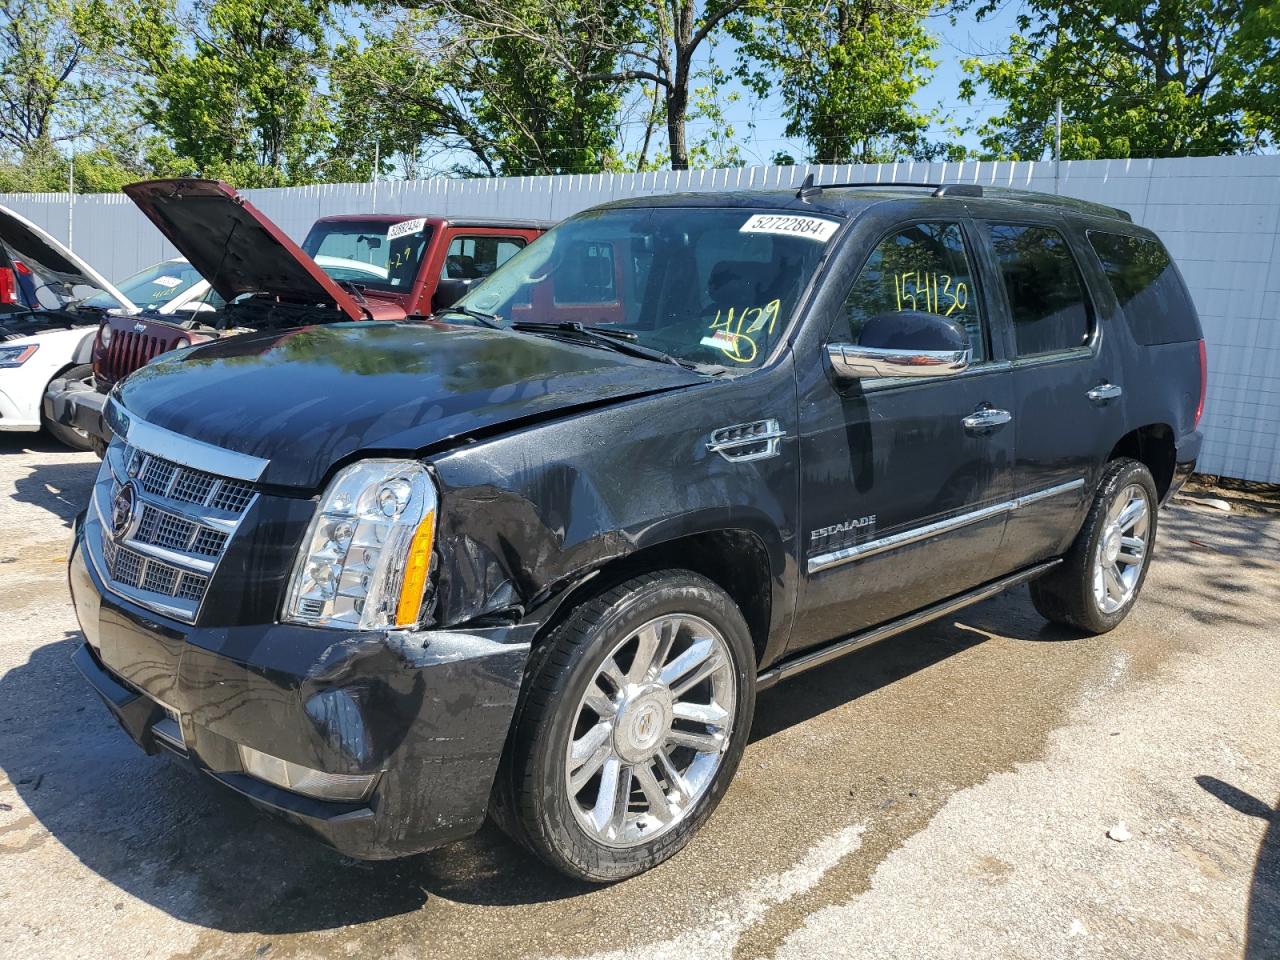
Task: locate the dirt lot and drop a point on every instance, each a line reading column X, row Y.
column 946, row 794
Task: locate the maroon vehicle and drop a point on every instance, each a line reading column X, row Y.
column 353, row 267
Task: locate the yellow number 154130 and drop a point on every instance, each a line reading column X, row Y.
column 931, row 292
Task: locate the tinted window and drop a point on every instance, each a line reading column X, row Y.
column 1049, row 308
column 1148, row 287
column 921, row 267
column 473, row 258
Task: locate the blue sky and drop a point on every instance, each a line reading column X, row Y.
column 967, row 37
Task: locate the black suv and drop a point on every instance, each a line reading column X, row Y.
column 536, row 557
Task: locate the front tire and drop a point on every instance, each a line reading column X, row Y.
column 1098, row 582
column 637, row 711
column 78, row 440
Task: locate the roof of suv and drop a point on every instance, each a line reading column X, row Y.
column 849, row 199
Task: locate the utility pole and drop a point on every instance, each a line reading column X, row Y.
column 377, row 159
column 1057, row 143
column 71, row 196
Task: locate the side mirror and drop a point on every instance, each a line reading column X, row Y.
column 449, row 290
column 905, row 343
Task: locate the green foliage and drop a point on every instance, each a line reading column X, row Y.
column 1137, row 79
column 848, row 70
column 473, row 77
column 233, row 86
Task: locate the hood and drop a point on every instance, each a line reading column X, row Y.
column 234, row 245
column 305, row 399
column 26, row 242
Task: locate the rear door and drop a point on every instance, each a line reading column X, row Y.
column 901, row 488
column 1067, row 387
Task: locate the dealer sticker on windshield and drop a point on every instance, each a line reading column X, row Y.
column 168, row 282
column 811, row 228
column 405, row 227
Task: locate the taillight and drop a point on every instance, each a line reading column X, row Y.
column 1204, row 384
column 8, row 286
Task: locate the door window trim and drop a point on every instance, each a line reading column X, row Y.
column 992, row 364
column 1087, row 350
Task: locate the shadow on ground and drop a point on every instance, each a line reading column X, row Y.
column 1262, row 932
column 60, row 482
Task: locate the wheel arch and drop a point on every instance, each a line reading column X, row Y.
column 1154, row 447
column 736, row 559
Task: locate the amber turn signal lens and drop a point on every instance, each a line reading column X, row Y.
column 415, row 572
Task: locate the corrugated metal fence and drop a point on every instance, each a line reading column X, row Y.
column 1220, row 217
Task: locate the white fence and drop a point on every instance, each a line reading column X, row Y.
column 1220, row 217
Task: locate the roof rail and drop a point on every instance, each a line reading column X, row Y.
column 808, row 189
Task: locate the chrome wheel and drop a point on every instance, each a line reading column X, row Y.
column 650, row 733
column 1122, row 549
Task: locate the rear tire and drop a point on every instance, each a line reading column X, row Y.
column 78, row 440
column 635, row 714
column 1101, row 575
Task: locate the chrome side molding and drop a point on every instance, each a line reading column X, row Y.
column 815, row 658
column 860, row 551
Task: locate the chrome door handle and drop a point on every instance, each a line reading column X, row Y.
column 1104, row 392
column 986, row 419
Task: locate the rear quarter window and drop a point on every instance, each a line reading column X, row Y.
column 1148, row 287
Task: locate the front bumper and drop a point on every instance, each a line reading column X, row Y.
column 75, row 403
column 427, row 711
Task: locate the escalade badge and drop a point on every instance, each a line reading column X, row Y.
column 122, row 511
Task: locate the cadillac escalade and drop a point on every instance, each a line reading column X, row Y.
column 535, row 559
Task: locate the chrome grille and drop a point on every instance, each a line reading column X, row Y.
column 179, row 527
column 164, row 478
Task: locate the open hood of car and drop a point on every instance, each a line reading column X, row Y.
column 49, row 259
column 235, row 246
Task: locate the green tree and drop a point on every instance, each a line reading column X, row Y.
column 466, row 84
column 847, row 72
column 233, row 86
column 1135, row 78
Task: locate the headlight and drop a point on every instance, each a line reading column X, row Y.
column 17, row 356
column 364, row 562
column 104, row 335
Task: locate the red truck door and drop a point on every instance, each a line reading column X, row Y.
column 469, row 253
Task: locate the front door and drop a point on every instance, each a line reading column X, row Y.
column 904, row 481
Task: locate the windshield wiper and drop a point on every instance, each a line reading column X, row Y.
column 611, row 339
column 487, row 319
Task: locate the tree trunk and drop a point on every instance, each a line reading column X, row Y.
column 677, row 109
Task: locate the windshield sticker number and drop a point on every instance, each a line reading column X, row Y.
column 167, row 282
column 405, row 227
column 811, row 228
column 930, row 292
column 733, row 333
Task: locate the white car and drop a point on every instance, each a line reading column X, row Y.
column 47, row 323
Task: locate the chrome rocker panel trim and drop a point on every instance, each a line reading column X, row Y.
column 816, row 658
column 835, row 558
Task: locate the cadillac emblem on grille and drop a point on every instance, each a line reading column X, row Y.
column 122, row 511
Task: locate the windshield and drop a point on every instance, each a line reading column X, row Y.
column 706, row 285
column 378, row 255
column 152, row 288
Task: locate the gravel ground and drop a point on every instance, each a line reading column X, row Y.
column 948, row 793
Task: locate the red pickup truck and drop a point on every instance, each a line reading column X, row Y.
column 370, row 267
